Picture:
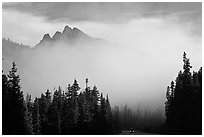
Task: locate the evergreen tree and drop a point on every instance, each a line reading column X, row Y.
column 108, row 116
column 55, row 112
column 17, row 108
column 44, row 103
column 72, row 106
column 197, row 102
column 36, row 117
column 116, row 119
column 5, row 106
column 84, row 115
column 67, row 113
column 94, row 99
column 95, row 108
column 66, row 122
column 28, row 117
column 103, row 121
column 184, row 102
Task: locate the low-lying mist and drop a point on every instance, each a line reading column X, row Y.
column 135, row 73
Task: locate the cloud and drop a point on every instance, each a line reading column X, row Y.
column 101, row 11
column 26, row 29
column 28, row 22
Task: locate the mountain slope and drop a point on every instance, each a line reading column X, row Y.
column 14, row 52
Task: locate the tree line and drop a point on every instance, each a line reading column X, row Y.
column 125, row 118
column 66, row 112
column 87, row 111
column 184, row 101
column 73, row 111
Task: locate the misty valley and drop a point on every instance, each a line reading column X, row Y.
column 35, row 102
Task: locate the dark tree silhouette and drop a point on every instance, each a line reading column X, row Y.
column 44, row 103
column 36, row 117
column 75, row 111
column 184, row 102
column 6, row 121
column 28, row 116
column 16, row 118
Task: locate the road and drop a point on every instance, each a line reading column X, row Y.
column 137, row 132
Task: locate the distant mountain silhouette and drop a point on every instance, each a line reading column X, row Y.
column 12, row 48
column 13, row 51
column 68, row 36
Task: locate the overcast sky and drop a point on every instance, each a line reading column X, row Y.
column 150, row 39
column 27, row 22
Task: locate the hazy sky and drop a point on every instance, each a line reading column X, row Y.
column 149, row 42
column 31, row 20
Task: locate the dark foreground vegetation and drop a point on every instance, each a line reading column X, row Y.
column 87, row 111
column 184, row 102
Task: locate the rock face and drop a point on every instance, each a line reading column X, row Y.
column 57, row 35
column 68, row 36
column 47, row 37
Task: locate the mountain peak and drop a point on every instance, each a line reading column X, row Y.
column 77, row 30
column 57, row 35
column 66, row 29
column 68, row 35
column 47, row 37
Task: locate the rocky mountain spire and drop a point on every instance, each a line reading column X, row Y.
column 47, row 37
column 57, row 35
column 68, row 36
column 67, row 29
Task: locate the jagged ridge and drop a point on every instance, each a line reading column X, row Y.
column 68, row 35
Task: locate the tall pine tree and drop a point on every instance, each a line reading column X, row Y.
column 184, row 102
column 17, row 109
